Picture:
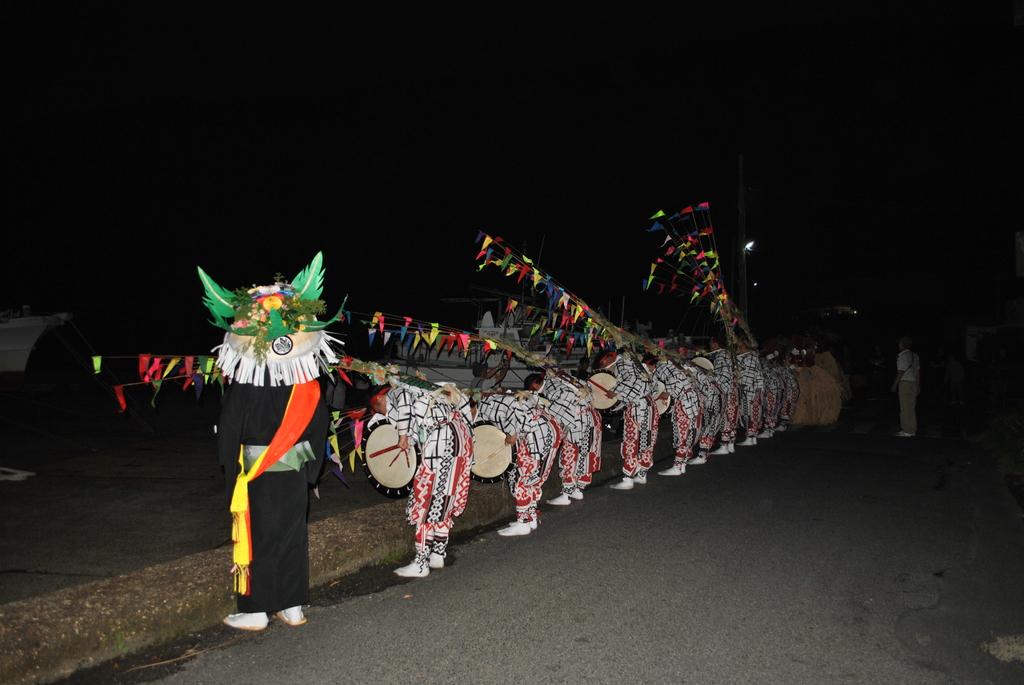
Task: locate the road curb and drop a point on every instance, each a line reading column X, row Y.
column 50, row 636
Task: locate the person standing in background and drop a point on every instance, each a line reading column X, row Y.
column 908, row 383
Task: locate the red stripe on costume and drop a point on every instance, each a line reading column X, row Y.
column 297, row 416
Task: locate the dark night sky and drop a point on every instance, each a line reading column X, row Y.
column 874, row 143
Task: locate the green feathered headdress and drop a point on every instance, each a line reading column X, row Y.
column 267, row 313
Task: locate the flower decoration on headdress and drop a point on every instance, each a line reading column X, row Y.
column 272, row 327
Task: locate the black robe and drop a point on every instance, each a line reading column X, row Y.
column 278, row 500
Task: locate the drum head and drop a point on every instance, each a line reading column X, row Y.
column 492, row 458
column 388, row 469
column 599, row 382
column 662, row 405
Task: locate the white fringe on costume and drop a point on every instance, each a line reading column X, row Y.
column 307, row 360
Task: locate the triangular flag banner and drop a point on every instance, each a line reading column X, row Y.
column 97, row 362
column 352, row 461
column 387, row 336
column 372, row 333
column 154, row 373
column 143, row 365
column 657, row 214
column 156, row 389
column 432, row 336
column 170, row 365
column 189, row 364
column 119, row 394
column 335, row 452
column 357, row 435
column 416, row 341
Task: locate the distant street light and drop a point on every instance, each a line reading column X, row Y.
column 749, row 247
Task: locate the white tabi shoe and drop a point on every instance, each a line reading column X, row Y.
column 748, row 442
column 533, row 524
column 732, row 447
column 625, row 484
column 781, row 427
column 698, row 460
column 767, row 433
column 560, row 501
column 673, row 471
column 292, row 616
column 413, row 570
column 576, row 495
column 436, row 561
column 515, row 529
column 257, row 621
column 640, row 480
column 722, row 449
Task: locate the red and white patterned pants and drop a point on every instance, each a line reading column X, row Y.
column 684, row 433
column 533, row 466
column 440, row 488
column 639, row 431
column 732, row 412
column 593, row 450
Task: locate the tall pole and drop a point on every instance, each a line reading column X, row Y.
column 741, row 239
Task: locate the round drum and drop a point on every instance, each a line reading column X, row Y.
column 662, row 405
column 389, row 469
column 492, row 458
column 600, row 382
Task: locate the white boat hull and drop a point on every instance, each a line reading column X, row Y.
column 18, row 338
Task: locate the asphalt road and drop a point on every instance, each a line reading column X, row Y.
column 818, row 556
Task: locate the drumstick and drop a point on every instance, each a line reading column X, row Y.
column 599, row 386
column 405, row 452
column 380, row 452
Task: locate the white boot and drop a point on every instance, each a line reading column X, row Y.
column 673, row 471
column 576, row 495
column 625, row 484
column 533, row 524
column 698, row 460
column 640, row 479
column 292, row 616
column 722, row 449
column 257, row 621
column 515, row 529
column 748, row 442
column 781, row 427
column 732, row 447
column 560, row 501
column 417, row 569
column 436, row 561
column 766, row 433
